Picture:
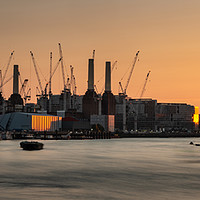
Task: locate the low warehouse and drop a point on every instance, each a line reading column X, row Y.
column 72, row 123
column 30, row 121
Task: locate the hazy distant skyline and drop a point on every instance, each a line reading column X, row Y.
column 165, row 32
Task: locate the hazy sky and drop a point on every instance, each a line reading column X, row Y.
column 166, row 32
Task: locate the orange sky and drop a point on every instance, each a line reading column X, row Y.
column 165, row 32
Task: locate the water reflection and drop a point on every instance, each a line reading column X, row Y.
column 101, row 169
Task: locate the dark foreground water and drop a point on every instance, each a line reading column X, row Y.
column 152, row 169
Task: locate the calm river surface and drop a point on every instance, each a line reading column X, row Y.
column 136, row 168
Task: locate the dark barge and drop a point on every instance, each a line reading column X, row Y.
column 30, row 146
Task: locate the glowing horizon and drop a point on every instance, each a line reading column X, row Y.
column 166, row 33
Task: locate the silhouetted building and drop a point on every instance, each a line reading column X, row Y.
column 15, row 102
column 174, row 116
column 90, row 99
column 108, row 99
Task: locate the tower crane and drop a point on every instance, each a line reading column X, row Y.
column 27, row 95
column 55, row 68
column 1, row 86
column 73, row 81
column 130, row 74
column 6, row 70
column 62, row 66
column 36, row 71
column 22, row 90
column 145, row 83
column 40, row 90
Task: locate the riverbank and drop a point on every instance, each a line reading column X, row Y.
column 159, row 134
column 92, row 135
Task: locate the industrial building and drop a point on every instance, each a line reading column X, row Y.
column 174, row 116
column 90, row 99
column 20, row 121
column 107, row 121
column 147, row 114
column 106, row 115
column 108, row 99
column 141, row 114
column 81, row 112
column 73, row 123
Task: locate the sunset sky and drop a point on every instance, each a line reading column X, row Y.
column 167, row 33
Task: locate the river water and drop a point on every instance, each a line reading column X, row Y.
column 135, row 168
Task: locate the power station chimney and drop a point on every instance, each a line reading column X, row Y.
column 15, row 80
column 108, row 77
column 91, row 74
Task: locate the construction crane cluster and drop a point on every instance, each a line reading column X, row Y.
column 69, row 84
column 26, row 94
column 69, row 81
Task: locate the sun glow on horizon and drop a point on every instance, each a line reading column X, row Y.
column 196, row 115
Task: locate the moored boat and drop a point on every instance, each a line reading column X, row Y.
column 31, row 145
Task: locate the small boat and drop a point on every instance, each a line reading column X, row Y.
column 194, row 144
column 31, row 145
column 191, row 143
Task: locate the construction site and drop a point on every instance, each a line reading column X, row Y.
column 69, row 111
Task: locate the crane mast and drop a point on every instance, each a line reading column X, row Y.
column 75, row 87
column 93, row 54
column 50, row 75
column 36, row 71
column 1, row 81
column 131, row 72
column 55, row 68
column 62, row 66
column 72, row 74
column 145, row 83
column 68, row 84
column 73, row 81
